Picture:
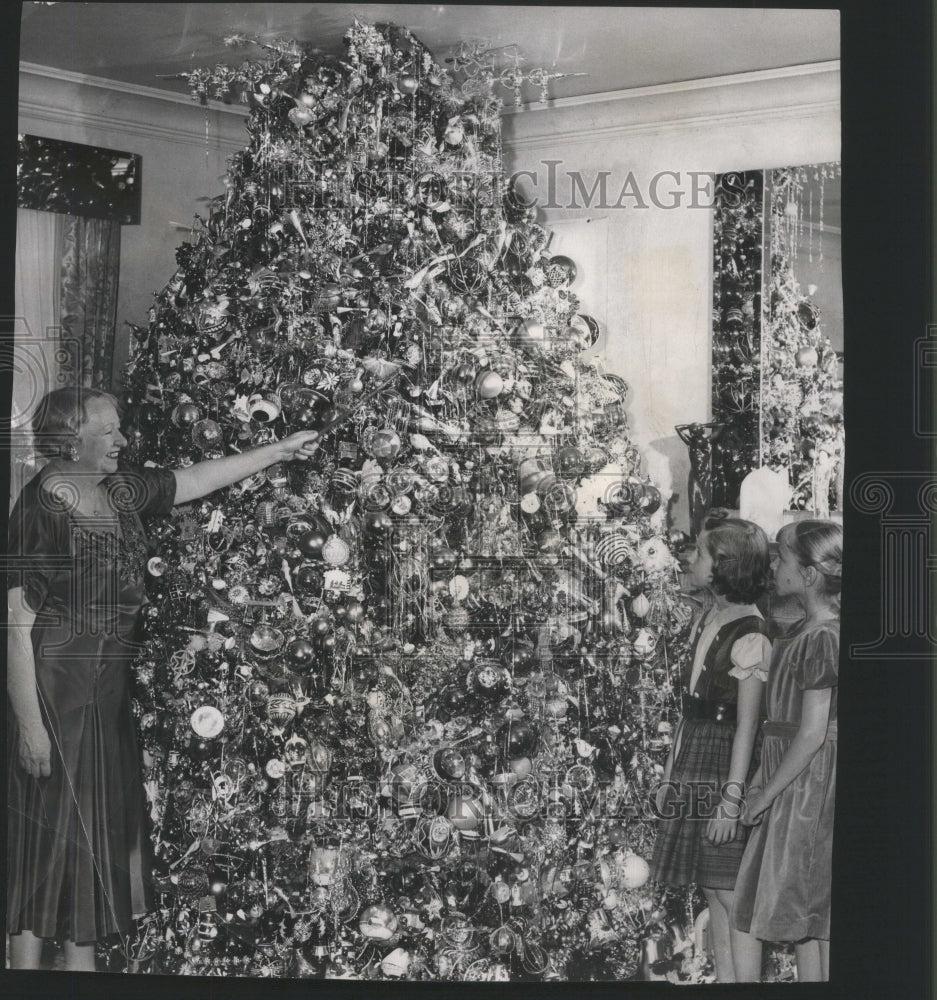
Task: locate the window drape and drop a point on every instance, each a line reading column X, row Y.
column 36, row 332
column 67, row 270
column 90, row 265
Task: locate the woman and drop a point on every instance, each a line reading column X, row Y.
column 77, row 863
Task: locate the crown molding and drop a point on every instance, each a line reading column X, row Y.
column 681, row 86
column 631, row 93
column 178, row 133
column 148, row 112
column 194, row 132
column 152, row 93
column 760, row 116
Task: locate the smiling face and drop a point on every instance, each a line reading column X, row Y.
column 99, row 438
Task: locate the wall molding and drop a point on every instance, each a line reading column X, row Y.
column 153, row 93
column 664, row 119
column 681, row 86
column 761, row 116
column 631, row 93
column 76, row 100
column 178, row 133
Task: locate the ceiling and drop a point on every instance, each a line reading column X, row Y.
column 618, row 47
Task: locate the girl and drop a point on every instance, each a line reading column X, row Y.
column 783, row 888
column 699, row 839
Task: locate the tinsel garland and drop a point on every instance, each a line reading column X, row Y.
column 736, row 350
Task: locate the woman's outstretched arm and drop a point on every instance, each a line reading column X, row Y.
column 215, row 473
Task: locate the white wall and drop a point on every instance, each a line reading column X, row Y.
column 658, row 286
column 183, row 146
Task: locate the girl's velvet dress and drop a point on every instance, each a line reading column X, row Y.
column 783, row 888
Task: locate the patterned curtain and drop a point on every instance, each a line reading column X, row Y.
column 35, row 359
column 90, row 266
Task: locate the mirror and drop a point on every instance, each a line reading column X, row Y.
column 777, row 347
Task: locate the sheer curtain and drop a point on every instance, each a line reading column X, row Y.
column 67, row 270
column 36, row 351
column 90, row 265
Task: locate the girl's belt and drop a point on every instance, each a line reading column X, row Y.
column 711, row 711
column 788, row 730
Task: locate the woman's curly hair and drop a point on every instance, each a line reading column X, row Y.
column 59, row 416
column 741, row 564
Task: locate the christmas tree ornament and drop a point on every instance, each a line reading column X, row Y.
column 335, row 551
column 378, row 923
column 156, row 566
column 488, row 384
column 207, row 435
column 650, row 500
column 266, row 641
column 569, row 461
column 396, row 963
column 186, row 414
column 806, row 357
column 201, row 749
column 294, row 751
column 433, row 836
column 307, row 579
column 613, row 549
column 449, row 764
column 556, row 707
column 583, row 332
column 644, row 643
column 640, row 606
column 384, row 444
column 634, row 871
column 311, row 542
column 521, row 767
column 533, row 337
column 517, row 738
column 207, row 722
column 263, row 409
column 300, row 654
column 677, row 539
column 407, row 84
column 559, row 271
column 490, row 680
column 281, row 710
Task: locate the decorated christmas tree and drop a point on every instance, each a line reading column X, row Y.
column 402, row 705
column 802, row 394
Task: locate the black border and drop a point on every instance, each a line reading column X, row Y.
column 882, row 915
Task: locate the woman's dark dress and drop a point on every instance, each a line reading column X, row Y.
column 77, row 848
